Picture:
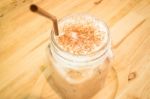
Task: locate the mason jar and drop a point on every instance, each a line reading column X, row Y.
column 79, row 76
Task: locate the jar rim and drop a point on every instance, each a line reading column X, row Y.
column 104, row 47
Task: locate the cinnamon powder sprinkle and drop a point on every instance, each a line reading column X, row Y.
column 80, row 39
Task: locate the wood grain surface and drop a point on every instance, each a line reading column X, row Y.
column 24, row 37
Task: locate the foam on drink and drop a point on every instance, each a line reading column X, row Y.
column 81, row 35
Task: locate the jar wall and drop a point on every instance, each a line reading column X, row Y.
column 80, row 90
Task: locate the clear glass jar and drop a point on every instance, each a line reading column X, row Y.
column 80, row 76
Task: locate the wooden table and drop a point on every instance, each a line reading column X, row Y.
column 24, row 37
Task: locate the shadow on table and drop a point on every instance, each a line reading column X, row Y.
column 47, row 71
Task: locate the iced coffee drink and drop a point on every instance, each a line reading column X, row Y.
column 80, row 56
